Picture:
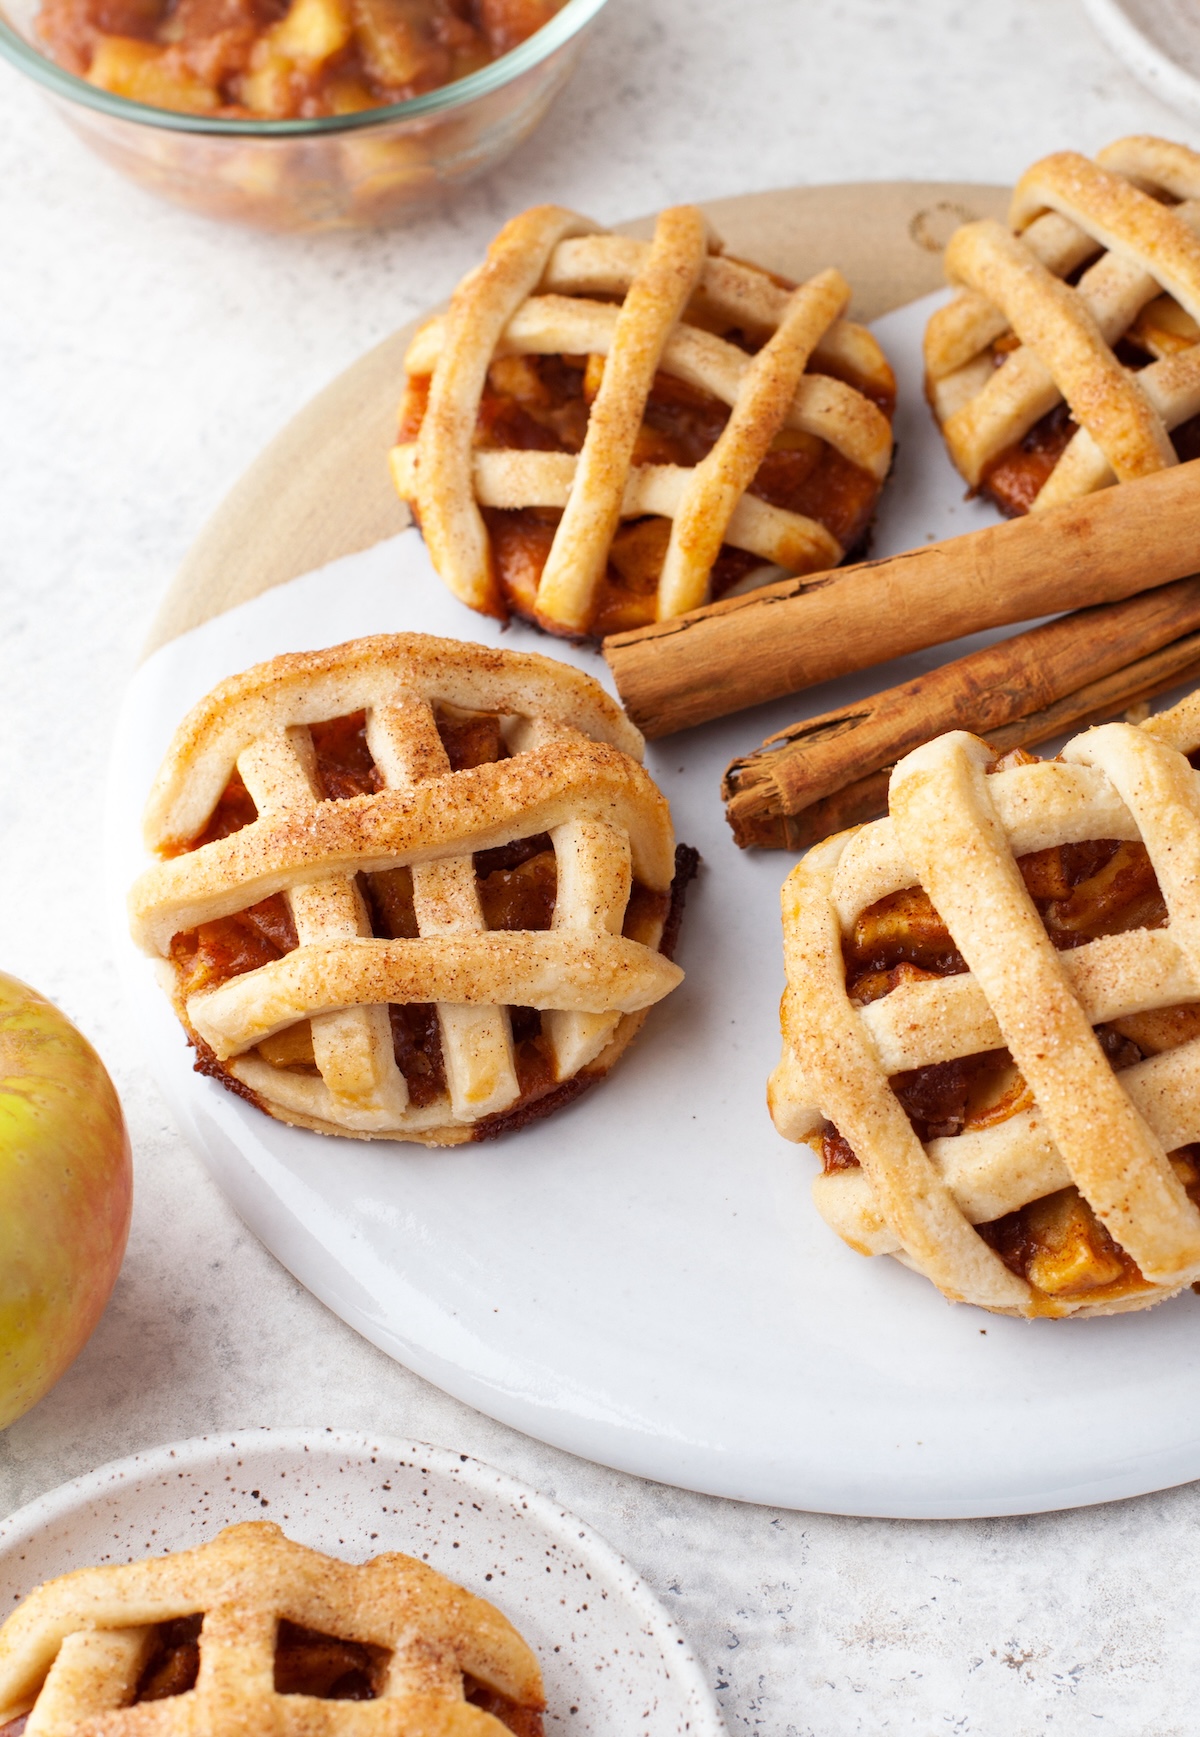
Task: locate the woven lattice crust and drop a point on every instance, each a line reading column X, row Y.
column 1020, row 341
column 569, row 769
column 76, row 1648
column 956, row 832
column 554, row 286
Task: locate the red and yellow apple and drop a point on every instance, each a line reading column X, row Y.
column 66, row 1187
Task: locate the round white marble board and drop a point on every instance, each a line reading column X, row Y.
column 642, row 1278
column 613, row 1662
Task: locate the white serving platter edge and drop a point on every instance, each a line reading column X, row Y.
column 642, row 1279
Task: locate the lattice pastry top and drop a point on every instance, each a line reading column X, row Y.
column 410, row 888
column 252, row 1633
column 992, row 1021
column 1071, row 359
column 604, row 432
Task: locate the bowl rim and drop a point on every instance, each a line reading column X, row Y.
column 555, row 34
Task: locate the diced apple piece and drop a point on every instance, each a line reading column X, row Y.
column 312, row 31
column 638, row 552
column 1074, row 1254
column 508, row 22
column 517, row 377
column 392, row 46
column 593, row 377
column 1164, row 328
column 904, row 925
column 349, row 96
column 267, row 88
column 290, row 1048
column 145, row 72
column 1161, row 1028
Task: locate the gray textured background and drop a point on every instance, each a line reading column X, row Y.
column 146, row 357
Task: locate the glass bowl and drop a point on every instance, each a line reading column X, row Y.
column 341, row 171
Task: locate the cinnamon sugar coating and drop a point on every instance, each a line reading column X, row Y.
column 991, row 1010
column 402, row 886
column 604, row 432
column 1070, row 359
column 251, row 1633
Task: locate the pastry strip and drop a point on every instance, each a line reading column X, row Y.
column 720, row 481
column 352, row 1048
column 76, row 1644
column 637, row 367
column 1056, row 323
column 1020, row 339
column 481, row 308
column 545, row 479
column 477, row 809
column 476, row 1041
column 554, row 325
column 957, row 832
column 657, row 297
column 826, row 1031
column 944, row 817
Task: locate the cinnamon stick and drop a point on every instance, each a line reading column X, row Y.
column 786, row 636
column 829, row 772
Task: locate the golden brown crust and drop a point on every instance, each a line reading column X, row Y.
column 75, row 1650
column 305, row 687
column 1029, row 372
column 341, row 766
column 725, row 332
column 955, row 831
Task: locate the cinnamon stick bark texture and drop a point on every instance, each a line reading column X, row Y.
column 826, row 773
column 789, row 635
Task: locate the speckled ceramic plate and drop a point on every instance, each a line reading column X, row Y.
column 613, row 1661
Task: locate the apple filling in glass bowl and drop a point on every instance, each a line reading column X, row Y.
column 1082, row 892
column 300, row 114
column 282, row 59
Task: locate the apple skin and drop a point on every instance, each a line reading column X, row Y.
column 66, row 1189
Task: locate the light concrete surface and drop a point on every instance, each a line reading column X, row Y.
column 146, row 357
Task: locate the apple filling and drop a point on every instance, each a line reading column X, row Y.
column 517, row 886
column 275, row 60
column 320, row 1666
column 542, row 403
column 1015, row 478
column 1082, row 891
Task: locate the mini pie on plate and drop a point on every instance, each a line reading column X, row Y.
column 410, row 888
column 1071, row 358
column 252, row 1633
column 603, row 432
column 992, row 1021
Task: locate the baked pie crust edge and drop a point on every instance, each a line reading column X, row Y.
column 562, row 775
column 955, row 832
column 74, row 1653
column 1070, row 357
column 644, row 509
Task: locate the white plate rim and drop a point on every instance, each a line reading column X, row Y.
column 196, row 1452
column 1165, row 77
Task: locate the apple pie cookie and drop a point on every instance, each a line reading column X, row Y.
column 1071, row 357
column 603, row 432
column 992, row 1021
column 410, row 888
column 252, row 1633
